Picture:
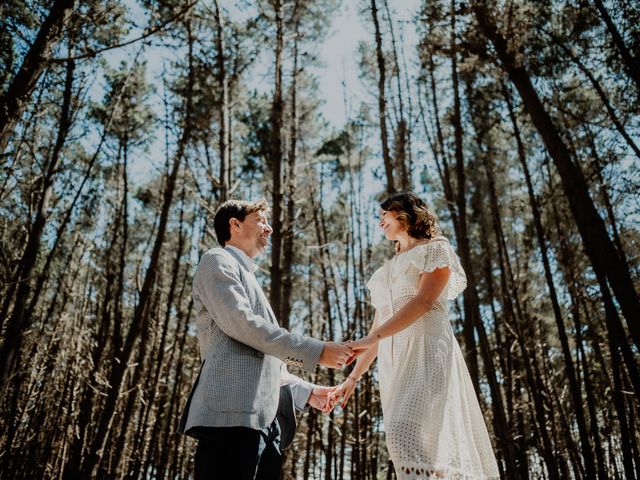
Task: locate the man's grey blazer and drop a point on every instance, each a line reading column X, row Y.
column 242, row 349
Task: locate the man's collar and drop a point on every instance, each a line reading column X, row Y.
column 247, row 261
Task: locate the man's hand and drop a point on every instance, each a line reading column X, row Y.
column 319, row 398
column 336, row 355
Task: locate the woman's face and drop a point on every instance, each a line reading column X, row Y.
column 390, row 225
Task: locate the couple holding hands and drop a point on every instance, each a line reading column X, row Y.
column 242, row 405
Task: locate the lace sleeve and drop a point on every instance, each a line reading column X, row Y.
column 437, row 254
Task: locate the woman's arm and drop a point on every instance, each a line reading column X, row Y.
column 365, row 359
column 429, row 289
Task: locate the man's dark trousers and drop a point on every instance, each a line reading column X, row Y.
column 238, row 453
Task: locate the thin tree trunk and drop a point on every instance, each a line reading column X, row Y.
column 224, row 133
column 471, row 308
column 277, row 107
column 288, row 240
column 400, row 140
column 382, row 115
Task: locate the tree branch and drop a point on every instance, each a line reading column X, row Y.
column 148, row 33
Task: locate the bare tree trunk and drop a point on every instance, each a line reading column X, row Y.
column 616, row 341
column 277, row 107
column 586, row 370
column 439, row 151
column 618, row 396
column 515, row 320
column 224, row 132
column 400, row 140
column 101, row 334
column 382, row 115
column 471, row 309
column 13, row 102
column 139, row 322
column 288, row 240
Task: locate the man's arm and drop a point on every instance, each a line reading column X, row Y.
column 220, row 289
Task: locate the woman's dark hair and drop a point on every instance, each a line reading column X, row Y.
column 235, row 209
column 413, row 214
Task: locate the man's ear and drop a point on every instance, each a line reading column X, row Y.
column 234, row 224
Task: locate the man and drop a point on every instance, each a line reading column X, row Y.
column 232, row 407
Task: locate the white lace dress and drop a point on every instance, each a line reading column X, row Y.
column 432, row 419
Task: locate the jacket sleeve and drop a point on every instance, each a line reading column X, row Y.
column 220, row 289
column 300, row 388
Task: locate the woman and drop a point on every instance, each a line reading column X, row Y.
column 432, row 420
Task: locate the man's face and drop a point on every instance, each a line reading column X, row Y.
column 255, row 231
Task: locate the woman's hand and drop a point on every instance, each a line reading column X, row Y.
column 365, row 343
column 343, row 392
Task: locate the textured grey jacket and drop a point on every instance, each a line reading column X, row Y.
column 242, row 349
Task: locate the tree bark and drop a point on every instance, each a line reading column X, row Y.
column 382, row 114
column 277, row 108
column 401, row 135
column 289, row 236
column 224, row 134
column 471, row 308
column 14, row 100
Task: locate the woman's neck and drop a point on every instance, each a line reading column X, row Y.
column 407, row 242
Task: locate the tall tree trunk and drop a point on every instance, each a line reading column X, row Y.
column 224, row 134
column 382, row 103
column 277, row 108
column 288, row 238
column 15, row 98
column 101, row 334
column 604, row 257
column 440, row 154
column 155, row 386
column 401, row 136
column 471, row 308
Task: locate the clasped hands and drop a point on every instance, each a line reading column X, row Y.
column 338, row 355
